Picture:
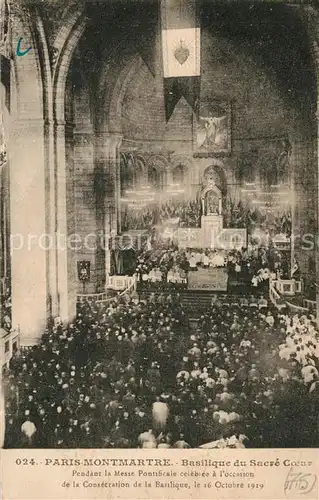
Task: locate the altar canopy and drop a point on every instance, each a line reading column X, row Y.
column 181, row 52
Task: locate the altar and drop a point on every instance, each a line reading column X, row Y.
column 212, row 233
column 211, row 225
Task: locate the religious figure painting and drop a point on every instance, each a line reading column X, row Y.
column 212, row 128
column 212, row 203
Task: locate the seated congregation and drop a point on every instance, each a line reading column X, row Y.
column 141, row 373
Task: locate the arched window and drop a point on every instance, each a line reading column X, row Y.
column 155, row 179
column 216, row 174
column 127, row 174
column 139, row 173
column 179, row 175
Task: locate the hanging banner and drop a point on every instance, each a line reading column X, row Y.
column 181, row 52
column 175, row 88
column 180, row 38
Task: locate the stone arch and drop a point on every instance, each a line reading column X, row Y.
column 176, row 160
column 157, row 166
column 140, row 169
column 127, row 164
column 211, row 193
column 66, row 42
column 27, row 70
column 111, row 98
column 246, row 168
column 79, row 100
column 115, row 106
column 179, row 174
column 69, row 17
column 45, row 69
column 132, row 170
column 159, row 160
column 215, row 172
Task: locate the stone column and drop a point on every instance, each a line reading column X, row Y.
column 114, row 144
column 169, row 178
column 298, row 201
column 53, row 297
column 28, row 229
column 304, row 200
column 220, row 206
column 293, row 160
column 108, row 171
column 66, row 264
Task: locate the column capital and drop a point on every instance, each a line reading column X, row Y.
column 111, row 140
column 115, row 140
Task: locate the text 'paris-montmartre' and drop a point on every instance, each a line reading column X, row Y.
column 161, row 462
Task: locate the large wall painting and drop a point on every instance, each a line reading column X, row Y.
column 212, row 128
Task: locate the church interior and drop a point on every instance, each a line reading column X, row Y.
column 159, row 223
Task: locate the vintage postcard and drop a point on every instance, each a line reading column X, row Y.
column 159, row 263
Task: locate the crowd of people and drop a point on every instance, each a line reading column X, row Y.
column 241, row 215
column 187, row 214
column 253, row 266
column 139, row 218
column 184, row 213
column 141, row 373
column 5, row 304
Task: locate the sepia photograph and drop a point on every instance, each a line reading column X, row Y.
column 159, row 262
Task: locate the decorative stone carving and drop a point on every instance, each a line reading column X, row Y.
column 157, row 167
column 211, row 200
column 215, row 174
column 54, row 13
column 158, row 161
column 54, row 55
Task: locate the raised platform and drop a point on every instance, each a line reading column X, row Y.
column 212, row 279
column 197, row 302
